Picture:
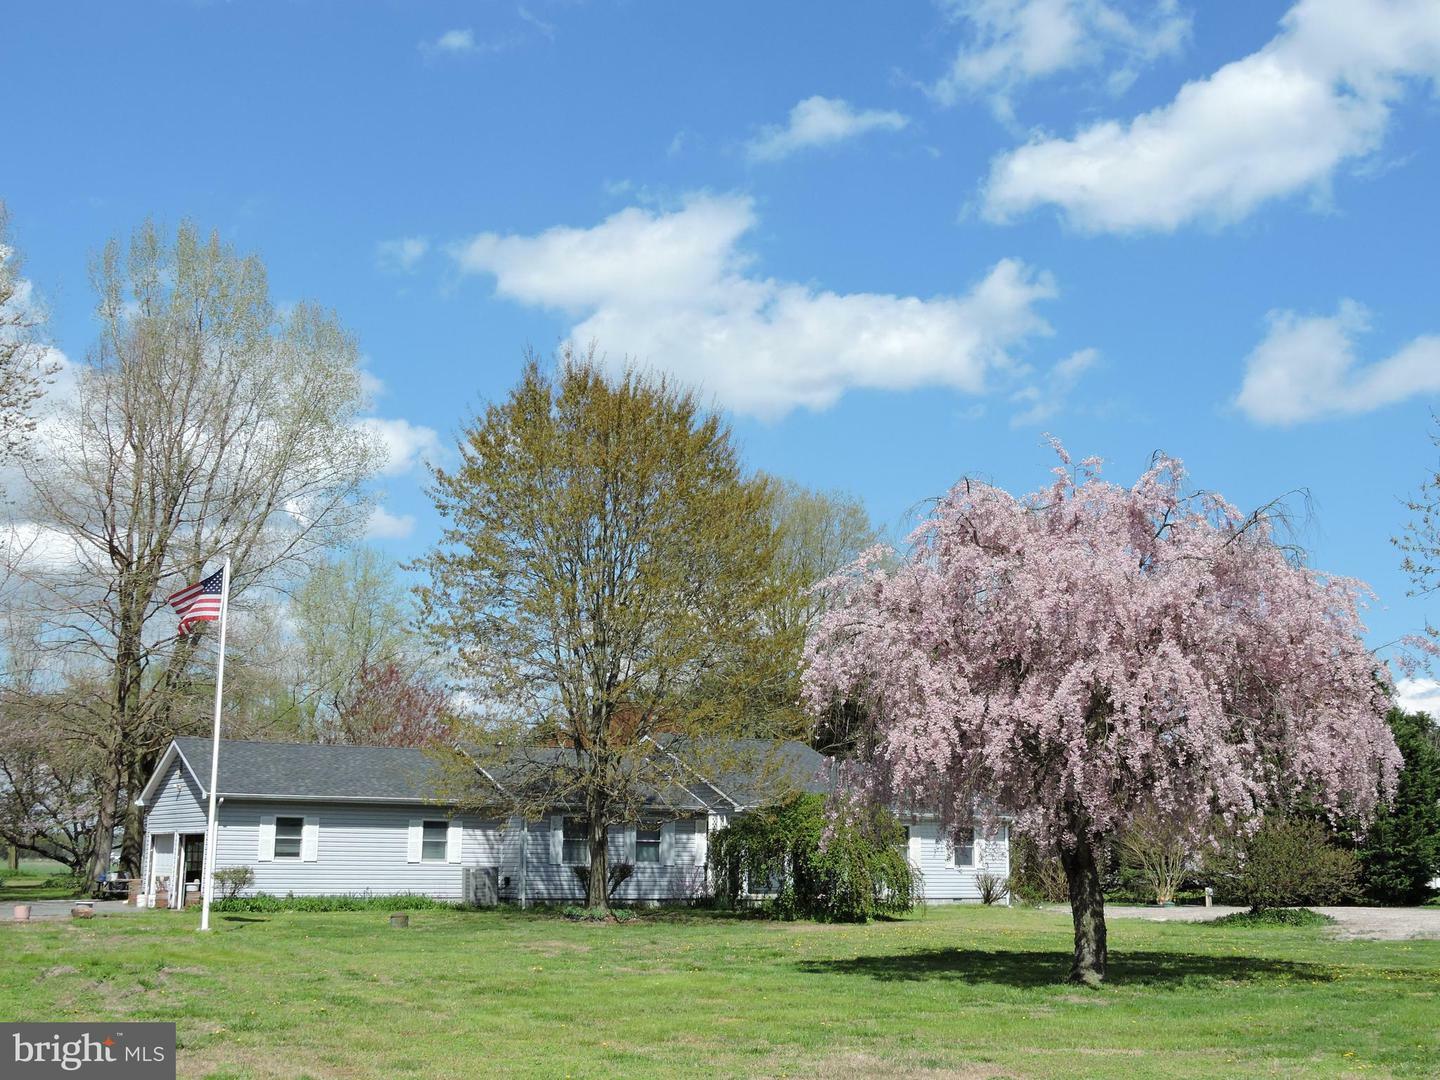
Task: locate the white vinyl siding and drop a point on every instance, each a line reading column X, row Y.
column 177, row 804
column 550, row 880
column 931, row 848
column 362, row 848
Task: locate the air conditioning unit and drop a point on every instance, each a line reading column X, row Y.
column 480, row 885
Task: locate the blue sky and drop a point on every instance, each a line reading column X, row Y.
column 897, row 241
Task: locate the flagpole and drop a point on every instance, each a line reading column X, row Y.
column 207, row 884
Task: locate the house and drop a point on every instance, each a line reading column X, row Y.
column 311, row 819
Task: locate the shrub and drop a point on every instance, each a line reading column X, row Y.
column 1036, row 876
column 1287, row 862
column 265, row 903
column 1158, row 849
column 848, row 869
column 231, row 881
column 1273, row 917
column 993, row 888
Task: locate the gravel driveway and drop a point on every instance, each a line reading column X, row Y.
column 1370, row 923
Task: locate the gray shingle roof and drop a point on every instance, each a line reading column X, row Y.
column 742, row 770
column 314, row 771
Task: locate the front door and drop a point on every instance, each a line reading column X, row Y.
column 193, row 869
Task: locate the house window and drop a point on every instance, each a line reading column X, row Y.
column 434, row 841
column 963, row 841
column 577, row 842
column 288, row 834
column 647, row 841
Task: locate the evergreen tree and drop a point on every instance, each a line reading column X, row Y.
column 1400, row 855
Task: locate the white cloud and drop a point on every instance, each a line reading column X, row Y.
column 674, row 290
column 1419, row 695
column 1305, row 368
column 383, row 525
column 402, row 254
column 820, row 121
column 1276, row 122
column 1048, row 397
column 1016, row 42
column 453, row 41
column 406, row 445
column 28, row 547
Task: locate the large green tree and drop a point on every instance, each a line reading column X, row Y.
column 1400, row 855
column 819, row 533
column 604, row 553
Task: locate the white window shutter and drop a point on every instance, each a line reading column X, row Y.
column 667, row 843
column 310, row 840
column 557, row 838
column 630, row 843
column 412, row 852
column 453, row 841
column 267, row 839
column 702, row 841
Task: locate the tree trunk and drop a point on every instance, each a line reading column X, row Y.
column 1087, row 908
column 13, row 860
column 597, row 883
column 132, row 841
column 104, row 835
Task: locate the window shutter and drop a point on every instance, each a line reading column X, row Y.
column 267, row 839
column 630, row 843
column 702, row 840
column 412, row 853
column 310, row 840
column 667, row 843
column 453, row 837
column 557, row 838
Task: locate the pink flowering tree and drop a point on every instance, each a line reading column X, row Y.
column 1091, row 652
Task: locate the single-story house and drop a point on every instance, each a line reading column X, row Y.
column 311, row 819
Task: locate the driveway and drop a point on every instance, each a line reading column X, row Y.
column 60, row 909
column 1369, row 923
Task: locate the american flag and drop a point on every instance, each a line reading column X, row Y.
column 199, row 602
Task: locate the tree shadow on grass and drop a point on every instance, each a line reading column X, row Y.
column 242, row 919
column 1011, row 967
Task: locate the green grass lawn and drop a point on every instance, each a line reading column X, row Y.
column 969, row 992
column 23, row 890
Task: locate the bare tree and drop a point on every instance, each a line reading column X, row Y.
column 1421, row 539
column 819, row 533
column 48, row 802
column 392, row 704
column 203, row 425
column 23, row 364
column 352, row 615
